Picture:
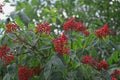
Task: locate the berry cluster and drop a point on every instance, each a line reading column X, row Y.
column 86, row 32
column 115, row 74
column 92, row 62
column 103, row 32
column 5, row 56
column 25, row 73
column 88, row 60
column 45, row 27
column 11, row 27
column 60, row 44
column 102, row 64
column 71, row 24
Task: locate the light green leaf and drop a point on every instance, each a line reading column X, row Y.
column 7, row 77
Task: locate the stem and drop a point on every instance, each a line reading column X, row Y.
column 34, row 48
column 71, row 39
column 106, row 45
column 87, row 41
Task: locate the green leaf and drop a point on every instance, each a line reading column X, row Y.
column 34, row 62
column 47, row 70
column 58, row 61
column 79, row 75
column 31, row 27
column 106, row 75
column 46, row 10
column 29, row 36
column 62, row 58
column 75, row 58
column 12, row 36
column 88, row 40
column 24, row 18
column 53, row 20
column 45, row 47
column 11, row 68
column 35, row 2
column 114, row 57
column 7, row 77
column 19, row 22
column 72, row 75
column 67, row 58
column 56, row 76
column 6, row 0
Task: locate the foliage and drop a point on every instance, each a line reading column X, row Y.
column 87, row 50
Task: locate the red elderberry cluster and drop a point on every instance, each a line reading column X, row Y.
column 88, row 60
column 103, row 32
column 92, row 62
column 4, row 56
column 45, row 27
column 25, row 73
column 113, row 78
column 11, row 27
column 102, row 64
column 86, row 32
column 60, row 44
column 71, row 24
column 115, row 74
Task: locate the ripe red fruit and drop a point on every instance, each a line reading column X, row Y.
column 71, row 24
column 86, row 32
column 25, row 73
column 11, row 27
column 103, row 32
column 45, row 27
column 4, row 55
column 102, row 64
column 115, row 73
column 88, row 60
column 113, row 78
column 60, row 44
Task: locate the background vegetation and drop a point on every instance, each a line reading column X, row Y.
column 36, row 50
